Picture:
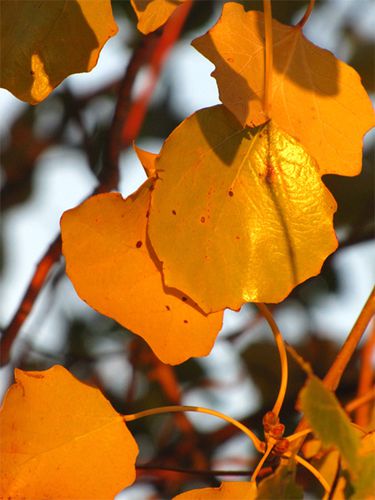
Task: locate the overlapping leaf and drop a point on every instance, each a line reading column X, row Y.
column 329, row 421
column 62, row 439
column 237, row 214
column 153, row 13
column 114, row 270
column 227, row 491
column 316, row 98
column 43, row 42
column 281, row 485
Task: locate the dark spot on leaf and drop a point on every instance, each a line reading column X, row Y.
column 152, row 187
column 186, row 321
column 230, row 193
column 237, row 237
column 203, row 220
column 184, row 299
column 167, row 308
column 147, row 214
column 138, row 244
column 174, row 212
column 32, row 72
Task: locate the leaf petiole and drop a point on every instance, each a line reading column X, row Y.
column 259, row 445
column 266, row 313
column 306, row 15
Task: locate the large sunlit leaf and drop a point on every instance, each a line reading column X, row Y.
column 153, row 13
column 329, row 421
column 62, row 439
column 113, row 269
column 316, row 98
column 43, row 42
column 240, row 490
column 238, row 214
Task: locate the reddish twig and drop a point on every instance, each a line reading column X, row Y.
column 366, row 376
column 171, row 32
column 128, row 117
column 40, row 275
column 334, row 374
column 109, row 175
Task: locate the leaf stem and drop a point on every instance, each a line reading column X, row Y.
column 334, row 374
column 266, row 313
column 270, row 444
column 313, row 471
column 268, row 57
column 259, row 445
column 306, row 15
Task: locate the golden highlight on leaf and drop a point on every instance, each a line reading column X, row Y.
column 152, row 14
column 43, row 42
column 62, row 439
column 316, row 98
column 237, row 214
column 113, row 268
column 240, row 490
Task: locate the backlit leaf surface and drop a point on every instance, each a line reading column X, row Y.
column 240, row 490
column 43, row 42
column 316, row 98
column 62, row 439
column 153, row 13
column 363, row 481
column 329, row 421
column 238, row 214
column 109, row 262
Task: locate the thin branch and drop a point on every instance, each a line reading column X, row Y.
column 313, row 471
column 124, row 119
column 334, row 374
column 366, row 376
column 37, row 281
column 306, row 15
column 109, row 176
column 195, row 472
column 171, row 32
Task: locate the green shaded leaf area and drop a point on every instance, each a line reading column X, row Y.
column 364, row 482
column 329, row 421
column 280, row 485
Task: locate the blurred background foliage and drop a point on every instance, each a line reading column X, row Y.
column 241, row 376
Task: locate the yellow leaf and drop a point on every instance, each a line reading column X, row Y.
column 152, row 14
column 43, row 42
column 147, row 159
column 316, row 98
column 240, row 490
column 238, row 215
column 62, row 439
column 113, row 269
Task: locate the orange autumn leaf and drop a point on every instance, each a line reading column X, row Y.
column 43, row 42
column 238, row 215
column 62, row 439
column 316, row 98
column 112, row 268
column 152, row 14
column 240, row 490
column 147, row 159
